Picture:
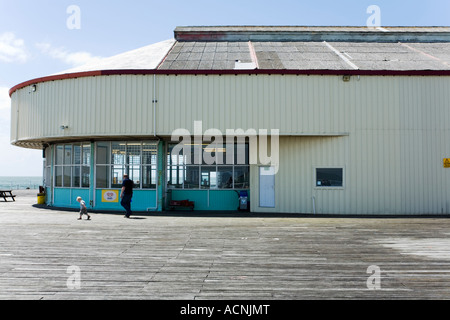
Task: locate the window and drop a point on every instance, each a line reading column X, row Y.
column 73, row 165
column 208, row 166
column 329, row 177
column 137, row 159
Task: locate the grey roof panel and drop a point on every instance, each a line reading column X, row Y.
column 281, row 47
column 316, row 55
column 396, row 56
column 208, row 55
column 309, row 55
column 206, row 65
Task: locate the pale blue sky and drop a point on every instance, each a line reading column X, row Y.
column 35, row 40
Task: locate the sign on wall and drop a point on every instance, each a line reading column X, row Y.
column 446, row 163
column 110, row 196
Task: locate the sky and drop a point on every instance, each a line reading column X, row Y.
column 42, row 37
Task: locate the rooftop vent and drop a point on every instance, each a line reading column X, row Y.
column 244, row 65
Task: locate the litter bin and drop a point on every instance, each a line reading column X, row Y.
column 41, row 198
column 243, row 200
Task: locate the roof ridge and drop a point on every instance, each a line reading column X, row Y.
column 313, row 33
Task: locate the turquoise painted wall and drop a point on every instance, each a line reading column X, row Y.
column 215, row 200
column 68, row 197
column 142, row 199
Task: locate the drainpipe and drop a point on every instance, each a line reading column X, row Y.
column 156, row 207
column 314, row 204
column 154, row 101
column 154, row 105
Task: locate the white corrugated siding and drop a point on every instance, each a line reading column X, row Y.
column 389, row 133
column 96, row 106
column 384, row 173
column 294, row 104
column 116, row 105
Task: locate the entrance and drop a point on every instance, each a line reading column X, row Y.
column 267, row 187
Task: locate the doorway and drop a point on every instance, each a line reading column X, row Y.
column 267, row 187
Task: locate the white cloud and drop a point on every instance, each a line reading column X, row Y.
column 72, row 58
column 12, row 49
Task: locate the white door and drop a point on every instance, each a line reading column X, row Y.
column 267, row 187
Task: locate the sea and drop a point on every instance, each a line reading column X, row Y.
column 20, row 183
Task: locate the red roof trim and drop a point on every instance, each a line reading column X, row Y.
column 235, row 72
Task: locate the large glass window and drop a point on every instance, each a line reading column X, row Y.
column 73, row 165
column 137, row 159
column 208, row 166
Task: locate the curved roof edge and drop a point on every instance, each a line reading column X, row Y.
column 231, row 72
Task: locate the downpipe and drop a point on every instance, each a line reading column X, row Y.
column 154, row 102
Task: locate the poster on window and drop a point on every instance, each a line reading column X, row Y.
column 110, row 196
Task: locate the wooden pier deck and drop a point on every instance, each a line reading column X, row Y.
column 207, row 257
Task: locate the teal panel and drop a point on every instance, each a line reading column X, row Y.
column 67, row 198
column 223, row 200
column 200, row 197
column 142, row 200
column 215, row 200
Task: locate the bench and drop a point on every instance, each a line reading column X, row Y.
column 5, row 194
column 181, row 204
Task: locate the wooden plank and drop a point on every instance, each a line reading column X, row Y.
column 210, row 257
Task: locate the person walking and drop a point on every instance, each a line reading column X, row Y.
column 83, row 209
column 127, row 195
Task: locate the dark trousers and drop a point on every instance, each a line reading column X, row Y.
column 126, row 203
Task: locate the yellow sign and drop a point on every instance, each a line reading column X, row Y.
column 110, row 196
column 446, row 163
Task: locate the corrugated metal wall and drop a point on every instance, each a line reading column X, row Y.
column 390, row 134
column 293, row 104
column 384, row 173
column 122, row 105
column 116, row 105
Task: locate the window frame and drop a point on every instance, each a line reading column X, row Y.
column 137, row 164
column 178, row 164
column 329, row 187
column 64, row 173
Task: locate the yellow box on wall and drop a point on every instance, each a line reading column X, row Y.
column 446, row 163
column 110, row 196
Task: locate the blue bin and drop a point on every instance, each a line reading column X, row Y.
column 243, row 200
